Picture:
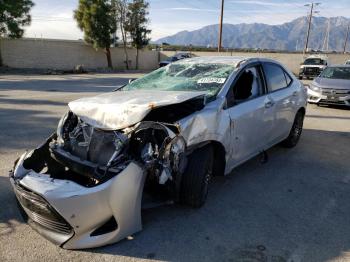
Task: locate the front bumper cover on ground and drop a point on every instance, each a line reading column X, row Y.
column 78, row 212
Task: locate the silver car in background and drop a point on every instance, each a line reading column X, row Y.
column 162, row 136
column 331, row 87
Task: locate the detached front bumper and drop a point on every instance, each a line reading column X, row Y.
column 76, row 217
column 329, row 98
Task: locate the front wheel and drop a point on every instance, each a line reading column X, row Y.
column 195, row 180
column 295, row 133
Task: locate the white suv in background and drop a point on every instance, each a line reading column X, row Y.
column 312, row 66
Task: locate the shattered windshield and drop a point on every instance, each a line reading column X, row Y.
column 207, row 77
column 336, row 73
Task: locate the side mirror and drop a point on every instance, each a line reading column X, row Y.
column 131, row 80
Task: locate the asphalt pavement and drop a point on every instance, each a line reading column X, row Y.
column 295, row 207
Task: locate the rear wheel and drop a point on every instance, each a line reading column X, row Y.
column 295, row 132
column 195, row 180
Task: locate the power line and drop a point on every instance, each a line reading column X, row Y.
column 346, row 38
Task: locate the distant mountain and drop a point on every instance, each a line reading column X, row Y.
column 287, row 36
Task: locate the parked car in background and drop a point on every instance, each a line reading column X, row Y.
column 347, row 62
column 169, row 61
column 331, row 87
column 178, row 56
column 312, row 66
column 164, row 136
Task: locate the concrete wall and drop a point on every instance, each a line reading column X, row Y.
column 62, row 54
column 292, row 61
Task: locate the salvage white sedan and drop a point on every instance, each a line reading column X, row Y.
column 162, row 136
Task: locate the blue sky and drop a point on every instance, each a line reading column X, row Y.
column 54, row 18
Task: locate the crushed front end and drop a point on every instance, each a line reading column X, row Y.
column 84, row 186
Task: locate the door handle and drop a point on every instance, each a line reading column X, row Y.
column 269, row 104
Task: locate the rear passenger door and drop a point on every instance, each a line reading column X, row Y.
column 283, row 97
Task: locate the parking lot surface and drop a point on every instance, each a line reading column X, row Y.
column 295, row 207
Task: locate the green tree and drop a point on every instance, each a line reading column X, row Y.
column 98, row 20
column 14, row 14
column 136, row 25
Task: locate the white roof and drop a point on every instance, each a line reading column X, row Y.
column 318, row 56
column 231, row 60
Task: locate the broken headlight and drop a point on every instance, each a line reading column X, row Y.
column 120, row 141
column 60, row 129
column 66, row 124
column 174, row 159
column 175, row 154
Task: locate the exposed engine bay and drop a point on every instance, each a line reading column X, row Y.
column 91, row 156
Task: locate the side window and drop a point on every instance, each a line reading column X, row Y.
column 288, row 78
column 275, row 77
column 248, row 86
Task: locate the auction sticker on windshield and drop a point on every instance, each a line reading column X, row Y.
column 210, row 80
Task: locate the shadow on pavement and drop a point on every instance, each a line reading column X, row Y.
column 68, row 84
column 31, row 102
column 328, row 117
column 10, row 216
column 24, row 129
column 335, row 106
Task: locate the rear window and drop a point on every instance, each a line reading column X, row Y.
column 276, row 78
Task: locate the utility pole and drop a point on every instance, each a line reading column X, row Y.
column 297, row 45
column 312, row 5
column 346, row 38
column 220, row 26
column 325, row 45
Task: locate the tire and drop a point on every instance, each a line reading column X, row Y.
column 300, row 78
column 295, row 133
column 196, row 178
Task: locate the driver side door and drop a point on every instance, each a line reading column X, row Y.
column 251, row 114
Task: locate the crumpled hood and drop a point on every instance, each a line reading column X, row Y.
column 332, row 83
column 121, row 109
